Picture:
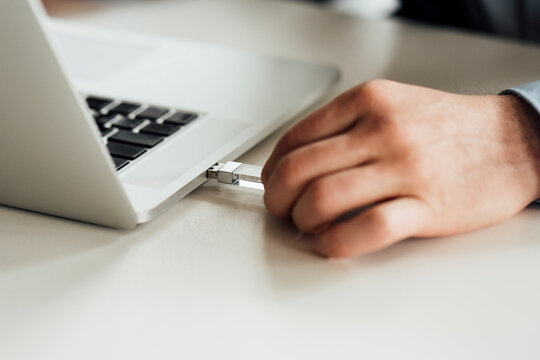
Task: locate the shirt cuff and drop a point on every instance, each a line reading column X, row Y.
column 529, row 92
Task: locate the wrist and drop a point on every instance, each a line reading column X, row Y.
column 527, row 127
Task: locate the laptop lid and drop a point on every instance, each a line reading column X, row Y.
column 51, row 158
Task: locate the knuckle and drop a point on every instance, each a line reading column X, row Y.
column 286, row 141
column 289, row 172
column 314, row 207
column 302, row 222
column 374, row 92
column 268, row 201
column 289, row 140
column 320, row 197
column 375, row 84
column 271, row 203
column 382, row 222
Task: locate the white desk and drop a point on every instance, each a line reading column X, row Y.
column 218, row 278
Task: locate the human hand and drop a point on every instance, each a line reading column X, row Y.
column 430, row 163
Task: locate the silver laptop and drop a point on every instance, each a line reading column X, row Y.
column 113, row 128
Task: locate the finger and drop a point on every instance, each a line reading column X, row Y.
column 375, row 229
column 307, row 163
column 332, row 119
column 331, row 196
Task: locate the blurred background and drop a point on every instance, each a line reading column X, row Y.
column 518, row 19
column 370, row 9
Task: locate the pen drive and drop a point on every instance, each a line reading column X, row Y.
column 237, row 173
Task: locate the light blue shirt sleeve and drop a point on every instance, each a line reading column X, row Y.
column 529, row 92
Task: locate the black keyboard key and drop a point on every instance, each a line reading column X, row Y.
column 146, row 140
column 160, row 129
column 119, row 162
column 105, row 131
column 127, row 151
column 125, row 108
column 181, row 118
column 128, row 124
column 152, row 113
column 101, row 120
column 97, row 103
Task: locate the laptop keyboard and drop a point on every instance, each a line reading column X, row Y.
column 131, row 129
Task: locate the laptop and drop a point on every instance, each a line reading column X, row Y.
column 115, row 128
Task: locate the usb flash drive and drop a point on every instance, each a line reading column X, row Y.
column 236, row 173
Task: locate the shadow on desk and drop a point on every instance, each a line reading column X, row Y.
column 28, row 239
column 411, row 264
column 291, row 266
column 271, row 245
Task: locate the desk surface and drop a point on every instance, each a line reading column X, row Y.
column 217, row 277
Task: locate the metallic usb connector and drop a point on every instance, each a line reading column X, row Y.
column 236, row 173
